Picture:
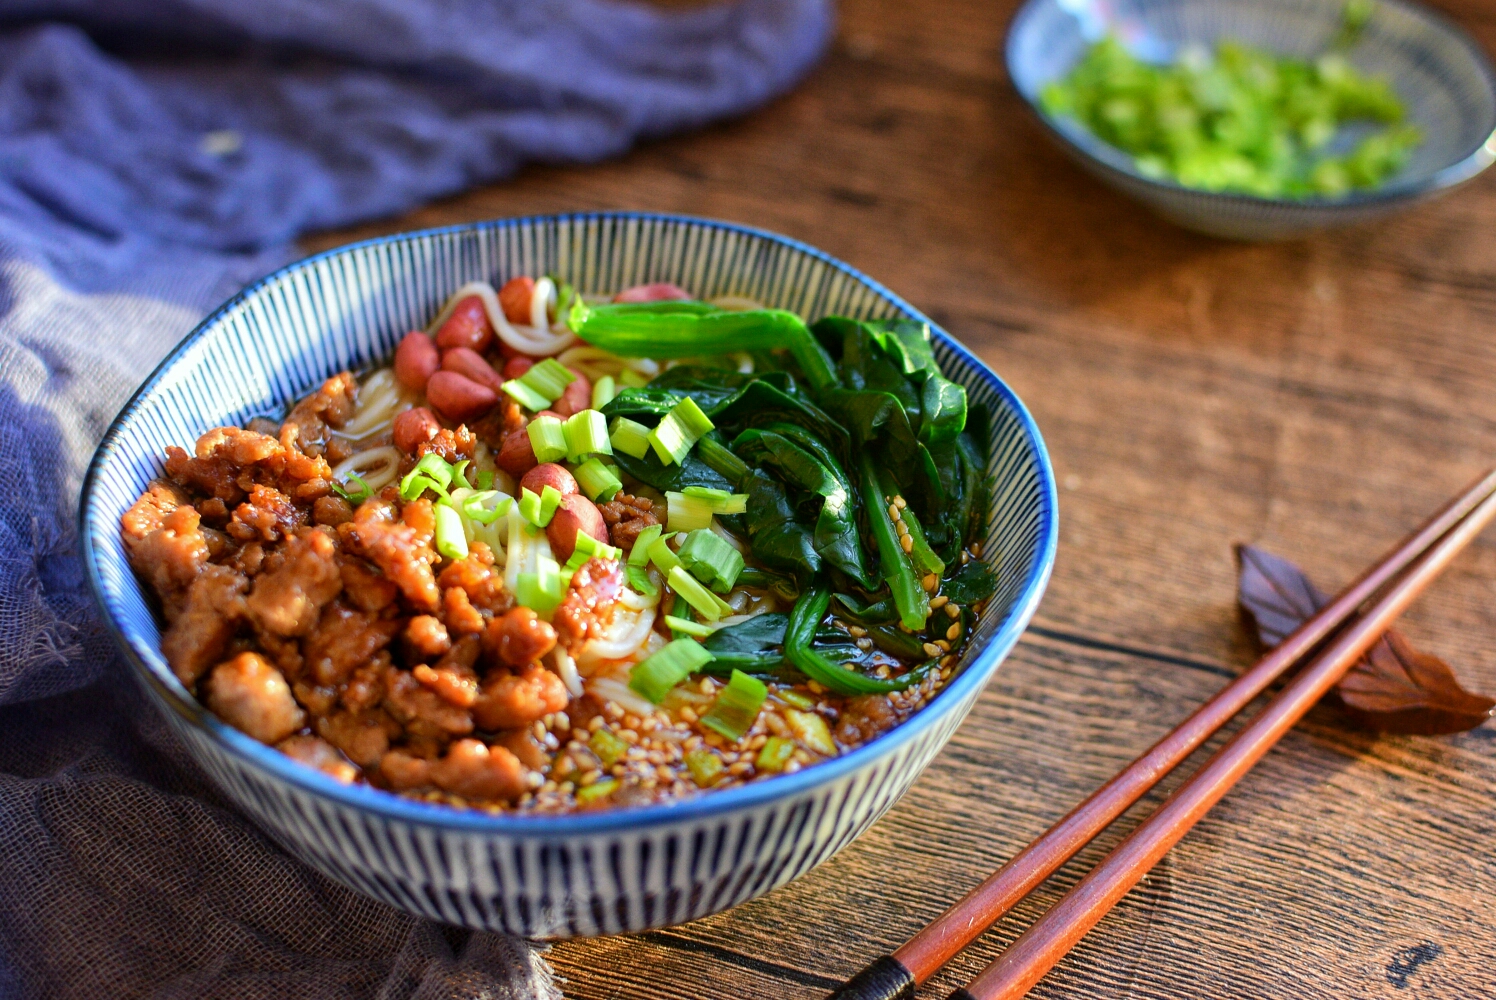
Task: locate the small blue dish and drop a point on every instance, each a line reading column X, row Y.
column 590, row 873
column 1442, row 76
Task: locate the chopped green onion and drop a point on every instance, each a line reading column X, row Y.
column 475, row 506
column 707, row 604
column 597, row 790
column 669, row 440
column 696, row 629
column 711, row 559
column 716, row 454
column 662, row 555
column 705, row 766
column 364, row 491
column 653, row 677
column 792, row 697
column 630, row 437
column 687, row 513
column 737, row 706
column 639, row 554
column 431, row 472
column 812, row 732
column 484, row 480
column 550, row 499
column 630, row 379
column 695, row 422
column 603, row 391
column 542, row 590
column 641, row 581
column 539, row 509
column 547, row 438
column 549, row 378
column 596, row 480
column 529, row 506
column 722, row 502
column 678, row 430
column 458, row 474
column 775, row 754
column 609, row 747
column 588, row 548
column 525, row 396
column 586, row 434
column 451, row 540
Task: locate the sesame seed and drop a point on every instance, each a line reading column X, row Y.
column 899, row 503
column 815, row 687
column 688, row 714
column 741, row 767
column 965, row 558
column 882, row 670
column 893, row 512
column 561, row 722
column 930, row 582
column 857, row 631
column 932, row 650
column 953, row 610
column 976, row 549
column 903, row 528
column 945, row 647
column 539, row 729
column 864, row 644
column 757, row 741
column 939, row 602
column 595, row 724
column 906, row 542
column 534, row 780
column 954, row 632
column 947, row 661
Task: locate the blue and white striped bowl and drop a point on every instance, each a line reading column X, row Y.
column 1442, row 76
column 591, row 873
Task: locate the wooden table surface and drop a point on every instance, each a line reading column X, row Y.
column 1318, row 397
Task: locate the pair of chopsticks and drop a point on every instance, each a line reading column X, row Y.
column 1413, row 564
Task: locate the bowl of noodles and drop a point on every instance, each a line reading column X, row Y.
column 569, row 575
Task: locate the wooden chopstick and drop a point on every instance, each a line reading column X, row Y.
column 1026, row 961
column 895, row 976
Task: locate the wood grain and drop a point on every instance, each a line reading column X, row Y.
column 1317, row 397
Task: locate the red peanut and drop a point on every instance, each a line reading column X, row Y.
column 468, row 327
column 413, row 428
column 416, row 359
column 549, row 474
column 576, row 398
column 660, row 291
column 516, row 455
column 576, row 513
column 470, row 363
column 459, row 398
column 515, row 298
column 518, row 365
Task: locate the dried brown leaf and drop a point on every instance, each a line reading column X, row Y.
column 1394, row 688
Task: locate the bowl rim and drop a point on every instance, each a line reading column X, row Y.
column 1080, row 139
column 389, row 806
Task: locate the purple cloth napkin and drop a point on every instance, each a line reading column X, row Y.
column 154, row 156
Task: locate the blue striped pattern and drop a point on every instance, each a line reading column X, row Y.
column 592, row 873
column 1440, row 73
